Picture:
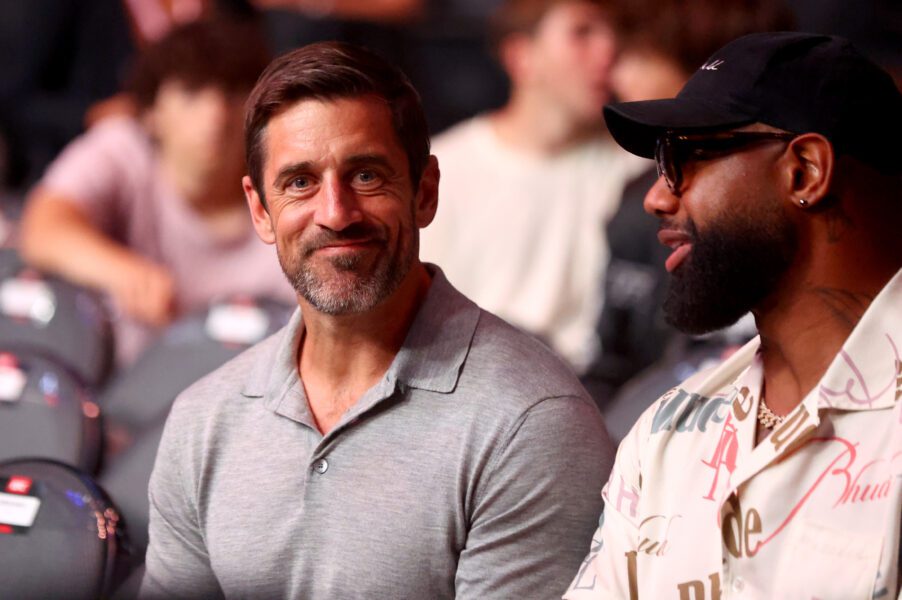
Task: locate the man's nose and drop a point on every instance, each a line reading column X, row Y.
column 338, row 206
column 660, row 200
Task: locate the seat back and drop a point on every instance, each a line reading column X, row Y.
column 46, row 412
column 56, row 319
column 59, row 533
column 185, row 352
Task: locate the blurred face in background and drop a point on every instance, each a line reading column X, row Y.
column 643, row 73
column 199, row 132
column 567, row 60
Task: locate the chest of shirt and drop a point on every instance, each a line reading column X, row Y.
column 832, row 493
column 381, row 507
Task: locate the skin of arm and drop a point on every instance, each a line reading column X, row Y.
column 58, row 237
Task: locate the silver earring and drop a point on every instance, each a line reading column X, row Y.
column 803, row 203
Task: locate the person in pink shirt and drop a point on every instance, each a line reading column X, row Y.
column 149, row 208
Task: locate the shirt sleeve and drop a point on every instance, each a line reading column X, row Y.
column 177, row 564
column 609, row 569
column 95, row 170
column 535, row 513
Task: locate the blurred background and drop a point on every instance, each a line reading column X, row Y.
column 128, row 268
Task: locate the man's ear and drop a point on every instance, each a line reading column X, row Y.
column 259, row 213
column 427, row 193
column 812, row 162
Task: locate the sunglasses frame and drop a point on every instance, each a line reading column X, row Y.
column 669, row 155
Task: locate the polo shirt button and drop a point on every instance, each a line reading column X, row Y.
column 321, row 466
column 738, row 585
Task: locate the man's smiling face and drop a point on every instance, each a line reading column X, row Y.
column 342, row 210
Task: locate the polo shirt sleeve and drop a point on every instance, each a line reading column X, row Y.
column 609, row 569
column 535, row 510
column 177, row 563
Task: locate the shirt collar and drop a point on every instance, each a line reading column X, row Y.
column 867, row 372
column 431, row 357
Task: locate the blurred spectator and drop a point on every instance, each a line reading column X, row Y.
column 663, row 43
column 150, row 209
column 526, row 189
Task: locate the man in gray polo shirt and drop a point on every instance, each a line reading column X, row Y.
column 394, row 440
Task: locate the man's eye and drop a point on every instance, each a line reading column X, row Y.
column 299, row 183
column 366, row 177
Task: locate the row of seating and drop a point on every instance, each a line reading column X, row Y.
column 78, row 441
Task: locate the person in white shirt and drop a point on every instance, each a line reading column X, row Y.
column 777, row 474
column 528, row 188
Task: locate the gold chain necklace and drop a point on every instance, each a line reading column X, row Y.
column 767, row 417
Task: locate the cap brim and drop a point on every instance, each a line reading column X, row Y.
column 636, row 126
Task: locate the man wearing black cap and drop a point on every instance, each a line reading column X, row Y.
column 777, row 474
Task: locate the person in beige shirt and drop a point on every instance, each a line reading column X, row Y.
column 777, row 474
column 528, row 188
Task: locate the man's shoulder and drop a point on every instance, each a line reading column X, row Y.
column 121, row 135
column 509, row 363
column 697, row 403
column 119, row 146
column 221, row 389
column 462, row 137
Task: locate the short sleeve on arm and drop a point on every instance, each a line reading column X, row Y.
column 100, row 171
column 535, row 511
column 177, row 562
column 609, row 569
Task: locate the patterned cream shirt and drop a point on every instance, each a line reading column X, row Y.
column 695, row 510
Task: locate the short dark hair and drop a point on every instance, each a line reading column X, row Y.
column 331, row 70
column 689, row 31
column 217, row 52
column 523, row 16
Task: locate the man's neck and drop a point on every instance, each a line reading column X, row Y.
column 532, row 125
column 804, row 328
column 341, row 357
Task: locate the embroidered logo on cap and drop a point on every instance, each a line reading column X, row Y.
column 711, row 66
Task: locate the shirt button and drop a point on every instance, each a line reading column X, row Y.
column 321, row 466
column 738, row 584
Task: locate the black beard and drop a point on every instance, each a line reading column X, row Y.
column 731, row 269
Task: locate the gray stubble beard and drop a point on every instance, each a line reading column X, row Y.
column 342, row 296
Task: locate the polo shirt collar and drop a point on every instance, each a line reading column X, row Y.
column 431, row 357
column 439, row 338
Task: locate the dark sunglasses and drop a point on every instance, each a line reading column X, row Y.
column 674, row 150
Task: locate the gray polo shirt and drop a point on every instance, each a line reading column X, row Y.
column 473, row 469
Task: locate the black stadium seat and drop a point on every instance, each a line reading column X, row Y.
column 66, row 323
column 186, row 351
column 126, row 479
column 59, row 533
column 45, row 412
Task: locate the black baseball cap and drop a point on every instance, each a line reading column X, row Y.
column 798, row 82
